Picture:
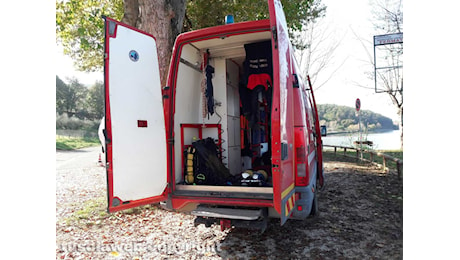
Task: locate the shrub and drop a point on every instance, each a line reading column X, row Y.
column 65, row 122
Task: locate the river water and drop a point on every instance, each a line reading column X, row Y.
column 382, row 140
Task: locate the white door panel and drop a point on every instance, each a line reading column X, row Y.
column 136, row 114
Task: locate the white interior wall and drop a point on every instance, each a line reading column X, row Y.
column 187, row 101
column 233, row 118
column 189, row 105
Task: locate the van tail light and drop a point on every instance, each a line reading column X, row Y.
column 301, row 177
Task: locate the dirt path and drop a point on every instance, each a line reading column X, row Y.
column 360, row 217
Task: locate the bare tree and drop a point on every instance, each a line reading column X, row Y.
column 388, row 18
column 314, row 54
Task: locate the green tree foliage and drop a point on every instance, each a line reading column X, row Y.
column 95, row 100
column 61, row 92
column 70, row 98
column 206, row 13
column 78, row 99
column 74, row 99
column 79, row 27
column 343, row 118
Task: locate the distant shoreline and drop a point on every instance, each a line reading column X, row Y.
column 369, row 131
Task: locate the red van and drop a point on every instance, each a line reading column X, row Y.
column 233, row 138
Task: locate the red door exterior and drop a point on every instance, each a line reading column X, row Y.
column 282, row 114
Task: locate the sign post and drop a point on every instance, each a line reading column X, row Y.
column 358, row 108
column 380, row 43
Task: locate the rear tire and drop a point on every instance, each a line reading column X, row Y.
column 314, row 208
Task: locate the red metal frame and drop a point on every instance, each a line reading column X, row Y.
column 319, row 143
column 108, row 122
column 136, row 203
column 200, row 128
column 182, row 39
column 169, row 107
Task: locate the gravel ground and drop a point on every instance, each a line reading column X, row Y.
column 360, row 218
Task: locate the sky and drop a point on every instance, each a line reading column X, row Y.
column 65, row 70
column 341, row 88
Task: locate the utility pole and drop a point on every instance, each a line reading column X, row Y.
column 360, row 140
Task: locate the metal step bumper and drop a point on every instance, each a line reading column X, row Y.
column 228, row 213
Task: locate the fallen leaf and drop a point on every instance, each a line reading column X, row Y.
column 68, row 229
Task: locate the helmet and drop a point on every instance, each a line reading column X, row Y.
column 264, row 173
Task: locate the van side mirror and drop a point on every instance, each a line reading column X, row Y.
column 323, row 130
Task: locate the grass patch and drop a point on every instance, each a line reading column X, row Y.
column 71, row 143
column 395, row 153
column 91, row 211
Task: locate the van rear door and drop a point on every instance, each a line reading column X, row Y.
column 282, row 115
column 134, row 118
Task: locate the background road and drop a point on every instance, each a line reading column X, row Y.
column 81, row 158
column 79, row 177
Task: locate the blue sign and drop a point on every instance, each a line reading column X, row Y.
column 133, row 55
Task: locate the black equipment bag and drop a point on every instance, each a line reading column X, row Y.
column 208, row 169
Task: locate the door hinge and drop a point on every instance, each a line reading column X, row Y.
column 275, row 36
column 112, row 28
column 171, row 141
column 165, row 88
column 106, row 137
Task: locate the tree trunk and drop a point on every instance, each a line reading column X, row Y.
column 131, row 12
column 161, row 18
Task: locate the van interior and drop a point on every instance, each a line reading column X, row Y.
column 222, row 114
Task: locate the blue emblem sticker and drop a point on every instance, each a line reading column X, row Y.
column 133, row 55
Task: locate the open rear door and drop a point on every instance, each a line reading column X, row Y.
column 282, row 115
column 135, row 127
